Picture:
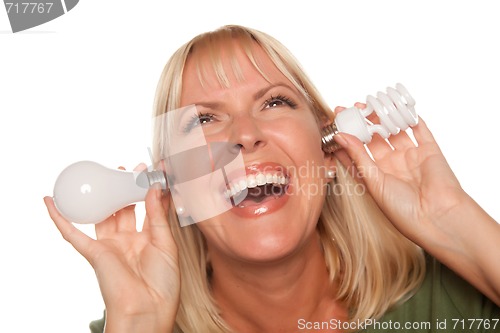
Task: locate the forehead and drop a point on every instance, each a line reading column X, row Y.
column 227, row 64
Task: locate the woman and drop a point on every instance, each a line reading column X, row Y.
column 298, row 260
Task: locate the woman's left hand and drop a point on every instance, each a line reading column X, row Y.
column 416, row 189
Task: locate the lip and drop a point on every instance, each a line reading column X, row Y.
column 266, row 207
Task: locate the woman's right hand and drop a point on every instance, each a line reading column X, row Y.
column 138, row 272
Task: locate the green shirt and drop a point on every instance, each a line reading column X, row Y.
column 444, row 303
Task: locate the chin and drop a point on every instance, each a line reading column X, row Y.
column 271, row 238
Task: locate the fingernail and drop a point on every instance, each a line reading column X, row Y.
column 340, row 139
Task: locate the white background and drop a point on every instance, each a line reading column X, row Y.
column 82, row 87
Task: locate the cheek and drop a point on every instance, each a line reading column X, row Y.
column 300, row 139
column 300, row 136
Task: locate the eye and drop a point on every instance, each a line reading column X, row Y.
column 279, row 101
column 198, row 119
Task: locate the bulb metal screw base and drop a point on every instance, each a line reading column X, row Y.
column 328, row 144
column 158, row 176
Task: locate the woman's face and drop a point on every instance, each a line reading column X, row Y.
column 284, row 166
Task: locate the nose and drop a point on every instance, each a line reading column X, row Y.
column 247, row 134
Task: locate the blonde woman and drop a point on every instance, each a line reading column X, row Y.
column 407, row 247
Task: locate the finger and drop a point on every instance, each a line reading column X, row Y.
column 360, row 105
column 140, row 167
column 125, row 219
column 401, row 141
column 365, row 166
column 348, row 164
column 165, row 203
column 372, row 117
column 343, row 158
column 157, row 223
column 80, row 241
column 106, row 228
column 338, row 109
column 422, row 133
column 165, row 200
column 334, row 113
column 379, row 147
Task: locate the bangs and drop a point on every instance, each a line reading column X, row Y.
column 212, row 47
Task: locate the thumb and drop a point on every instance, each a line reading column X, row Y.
column 156, row 222
column 366, row 167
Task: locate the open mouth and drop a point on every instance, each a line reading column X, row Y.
column 257, row 188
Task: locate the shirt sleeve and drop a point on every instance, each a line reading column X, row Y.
column 97, row 326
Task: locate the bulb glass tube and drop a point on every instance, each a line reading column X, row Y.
column 395, row 110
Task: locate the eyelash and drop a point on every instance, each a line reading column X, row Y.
column 196, row 120
column 199, row 117
column 281, row 98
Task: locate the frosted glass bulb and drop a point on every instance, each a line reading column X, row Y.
column 87, row 192
column 395, row 110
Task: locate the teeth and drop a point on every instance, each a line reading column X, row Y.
column 261, row 179
column 235, row 188
column 269, row 178
column 252, row 181
column 243, row 185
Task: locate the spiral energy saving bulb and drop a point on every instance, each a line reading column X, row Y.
column 87, row 192
column 395, row 110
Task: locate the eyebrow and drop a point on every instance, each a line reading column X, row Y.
column 263, row 91
column 208, row 105
column 257, row 95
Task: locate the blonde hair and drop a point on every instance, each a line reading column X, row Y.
column 373, row 266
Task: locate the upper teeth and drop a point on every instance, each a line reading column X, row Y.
column 251, row 181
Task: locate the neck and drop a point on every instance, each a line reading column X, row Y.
column 273, row 297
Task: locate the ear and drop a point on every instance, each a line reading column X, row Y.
column 330, row 165
column 180, row 208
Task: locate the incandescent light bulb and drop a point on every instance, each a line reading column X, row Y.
column 87, row 192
